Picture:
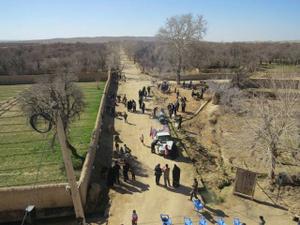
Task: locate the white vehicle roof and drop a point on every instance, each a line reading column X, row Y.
column 163, row 133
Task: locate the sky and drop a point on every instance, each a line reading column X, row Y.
column 227, row 20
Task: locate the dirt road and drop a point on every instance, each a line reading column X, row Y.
column 150, row 200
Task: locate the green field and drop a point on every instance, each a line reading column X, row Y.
column 26, row 156
column 7, row 91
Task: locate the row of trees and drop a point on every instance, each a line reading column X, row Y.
column 179, row 48
column 22, row 59
column 204, row 56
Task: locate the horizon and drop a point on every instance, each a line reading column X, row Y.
column 94, row 37
column 228, row 21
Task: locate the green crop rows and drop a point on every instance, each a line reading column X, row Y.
column 26, row 156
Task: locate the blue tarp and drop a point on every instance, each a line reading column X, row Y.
column 187, row 221
column 197, row 204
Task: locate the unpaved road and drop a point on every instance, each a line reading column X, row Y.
column 150, row 200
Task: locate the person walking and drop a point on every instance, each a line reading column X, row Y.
column 167, row 176
column 176, row 176
column 194, row 189
column 134, row 218
column 157, row 173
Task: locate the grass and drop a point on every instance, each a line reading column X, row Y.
column 26, row 156
column 7, row 91
column 278, row 71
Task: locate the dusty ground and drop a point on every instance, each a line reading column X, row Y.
column 150, row 200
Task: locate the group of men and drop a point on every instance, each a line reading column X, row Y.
column 113, row 175
column 173, row 108
column 165, row 171
column 143, row 93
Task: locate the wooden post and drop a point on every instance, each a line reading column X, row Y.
column 70, row 171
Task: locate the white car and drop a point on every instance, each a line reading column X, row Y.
column 164, row 140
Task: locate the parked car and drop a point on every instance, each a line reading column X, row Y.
column 164, row 144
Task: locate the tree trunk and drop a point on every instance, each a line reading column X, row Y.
column 273, row 165
column 179, row 67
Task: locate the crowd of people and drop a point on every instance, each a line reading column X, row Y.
column 113, row 174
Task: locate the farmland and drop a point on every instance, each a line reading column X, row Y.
column 26, row 156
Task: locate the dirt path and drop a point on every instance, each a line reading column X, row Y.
column 144, row 195
column 150, row 200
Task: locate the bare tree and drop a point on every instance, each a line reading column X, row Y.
column 180, row 31
column 275, row 126
column 55, row 96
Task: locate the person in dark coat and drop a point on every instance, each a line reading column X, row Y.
column 110, row 177
column 179, row 121
column 154, row 112
column 144, row 91
column 133, row 106
column 153, row 143
column 183, row 104
column 176, row 176
column 125, row 171
column 157, row 173
column 140, row 102
column 129, row 105
column 116, row 170
column 143, row 107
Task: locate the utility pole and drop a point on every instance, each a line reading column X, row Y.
column 75, row 194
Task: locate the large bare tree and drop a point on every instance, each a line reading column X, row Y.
column 275, row 125
column 53, row 97
column 180, row 31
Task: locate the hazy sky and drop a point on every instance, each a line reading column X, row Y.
column 228, row 20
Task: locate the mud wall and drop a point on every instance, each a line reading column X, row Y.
column 30, row 79
column 90, row 157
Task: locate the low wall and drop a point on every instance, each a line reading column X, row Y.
column 90, row 157
column 30, row 79
column 267, row 83
column 13, row 200
column 201, row 76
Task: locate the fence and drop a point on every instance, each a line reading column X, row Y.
column 13, row 200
